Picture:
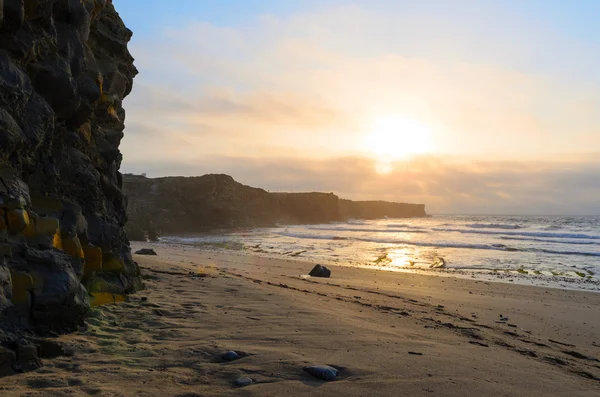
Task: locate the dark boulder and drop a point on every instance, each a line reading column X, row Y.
column 320, row 271
column 146, row 251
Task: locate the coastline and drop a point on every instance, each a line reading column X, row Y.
column 516, row 276
column 468, row 295
column 385, row 331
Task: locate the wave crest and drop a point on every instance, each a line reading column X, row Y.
column 493, row 226
column 527, row 234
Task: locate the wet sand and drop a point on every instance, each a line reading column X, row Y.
column 388, row 333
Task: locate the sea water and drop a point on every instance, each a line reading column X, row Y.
column 560, row 251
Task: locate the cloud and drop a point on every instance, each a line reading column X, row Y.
column 444, row 185
column 285, row 103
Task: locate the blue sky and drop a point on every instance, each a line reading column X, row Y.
column 144, row 16
column 557, row 28
column 577, row 17
column 502, row 96
column 575, row 20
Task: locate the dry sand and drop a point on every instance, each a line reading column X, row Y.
column 168, row 339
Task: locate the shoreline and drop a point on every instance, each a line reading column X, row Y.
column 458, row 292
column 544, row 279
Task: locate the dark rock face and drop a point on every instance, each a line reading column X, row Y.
column 307, row 208
column 186, row 205
column 320, row 271
column 64, row 70
column 8, row 359
column 380, row 209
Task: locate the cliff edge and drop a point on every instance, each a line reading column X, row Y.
column 380, row 209
column 186, row 205
column 173, row 205
column 64, row 70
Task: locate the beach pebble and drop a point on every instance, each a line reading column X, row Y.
column 324, row 372
column 243, row 381
column 230, row 356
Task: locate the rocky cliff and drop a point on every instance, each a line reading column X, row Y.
column 195, row 204
column 379, row 209
column 64, row 70
column 174, row 205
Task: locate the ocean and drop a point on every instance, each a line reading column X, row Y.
column 555, row 251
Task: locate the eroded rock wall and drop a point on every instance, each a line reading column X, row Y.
column 195, row 204
column 174, row 205
column 64, row 71
column 307, row 208
column 380, row 209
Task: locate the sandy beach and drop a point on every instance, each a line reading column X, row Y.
column 388, row 334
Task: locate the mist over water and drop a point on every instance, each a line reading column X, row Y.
column 541, row 250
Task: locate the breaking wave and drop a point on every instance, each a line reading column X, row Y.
column 493, row 226
column 541, row 240
column 369, row 230
column 438, row 244
column 529, row 234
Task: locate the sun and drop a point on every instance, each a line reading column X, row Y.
column 393, row 138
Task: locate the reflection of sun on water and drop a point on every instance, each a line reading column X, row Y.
column 401, row 258
column 393, row 138
column 398, row 258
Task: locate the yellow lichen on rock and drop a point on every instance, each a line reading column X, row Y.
column 86, row 131
column 112, row 263
column 97, row 284
column 93, row 260
column 57, row 241
column 106, row 98
column 30, row 229
column 72, row 246
column 18, row 220
column 46, row 226
column 100, row 82
column 113, row 113
column 22, row 283
column 103, row 298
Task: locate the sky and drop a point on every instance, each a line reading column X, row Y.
column 487, row 107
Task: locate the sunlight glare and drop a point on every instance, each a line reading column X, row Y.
column 392, row 138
